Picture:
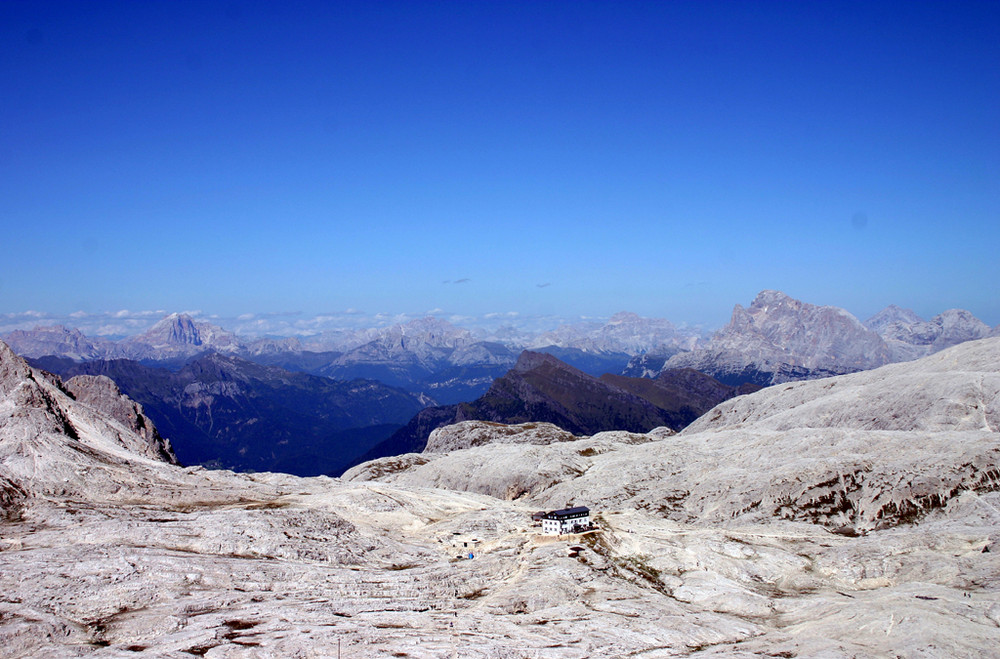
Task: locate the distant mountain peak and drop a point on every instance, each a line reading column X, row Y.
column 178, row 334
column 890, row 315
column 770, row 298
column 529, row 361
column 55, row 339
column 910, row 337
column 779, row 337
column 177, row 328
column 624, row 317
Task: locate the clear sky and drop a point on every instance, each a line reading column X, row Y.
column 541, row 158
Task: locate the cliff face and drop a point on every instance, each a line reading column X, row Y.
column 101, row 393
column 51, row 433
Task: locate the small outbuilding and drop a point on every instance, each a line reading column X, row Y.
column 567, row 520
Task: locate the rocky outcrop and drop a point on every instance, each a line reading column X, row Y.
column 481, row 433
column 49, row 439
column 524, row 461
column 102, row 394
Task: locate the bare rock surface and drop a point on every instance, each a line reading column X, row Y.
column 502, row 469
column 101, row 393
column 860, row 451
column 467, row 434
column 105, row 552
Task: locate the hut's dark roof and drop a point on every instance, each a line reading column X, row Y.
column 578, row 511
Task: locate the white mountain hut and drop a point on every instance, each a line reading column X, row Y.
column 567, row 520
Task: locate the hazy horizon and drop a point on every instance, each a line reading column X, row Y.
column 122, row 323
column 536, row 161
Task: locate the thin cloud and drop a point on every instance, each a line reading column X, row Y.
column 120, row 323
column 545, row 285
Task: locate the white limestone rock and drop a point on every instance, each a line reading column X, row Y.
column 113, row 554
column 858, row 452
column 101, row 393
column 467, row 434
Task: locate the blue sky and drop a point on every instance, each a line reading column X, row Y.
column 547, row 159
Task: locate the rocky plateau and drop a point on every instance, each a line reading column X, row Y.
column 853, row 516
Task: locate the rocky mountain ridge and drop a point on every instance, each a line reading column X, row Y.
column 775, row 339
column 543, row 389
column 910, row 337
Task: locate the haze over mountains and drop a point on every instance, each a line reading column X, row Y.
column 317, row 404
column 775, row 331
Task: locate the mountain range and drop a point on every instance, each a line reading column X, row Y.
column 428, row 357
column 775, row 339
column 293, row 404
column 910, row 337
column 779, row 339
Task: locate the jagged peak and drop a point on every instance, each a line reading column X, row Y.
column 13, row 369
column 892, row 314
column 957, row 314
column 175, row 318
column 772, row 298
column 624, row 317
